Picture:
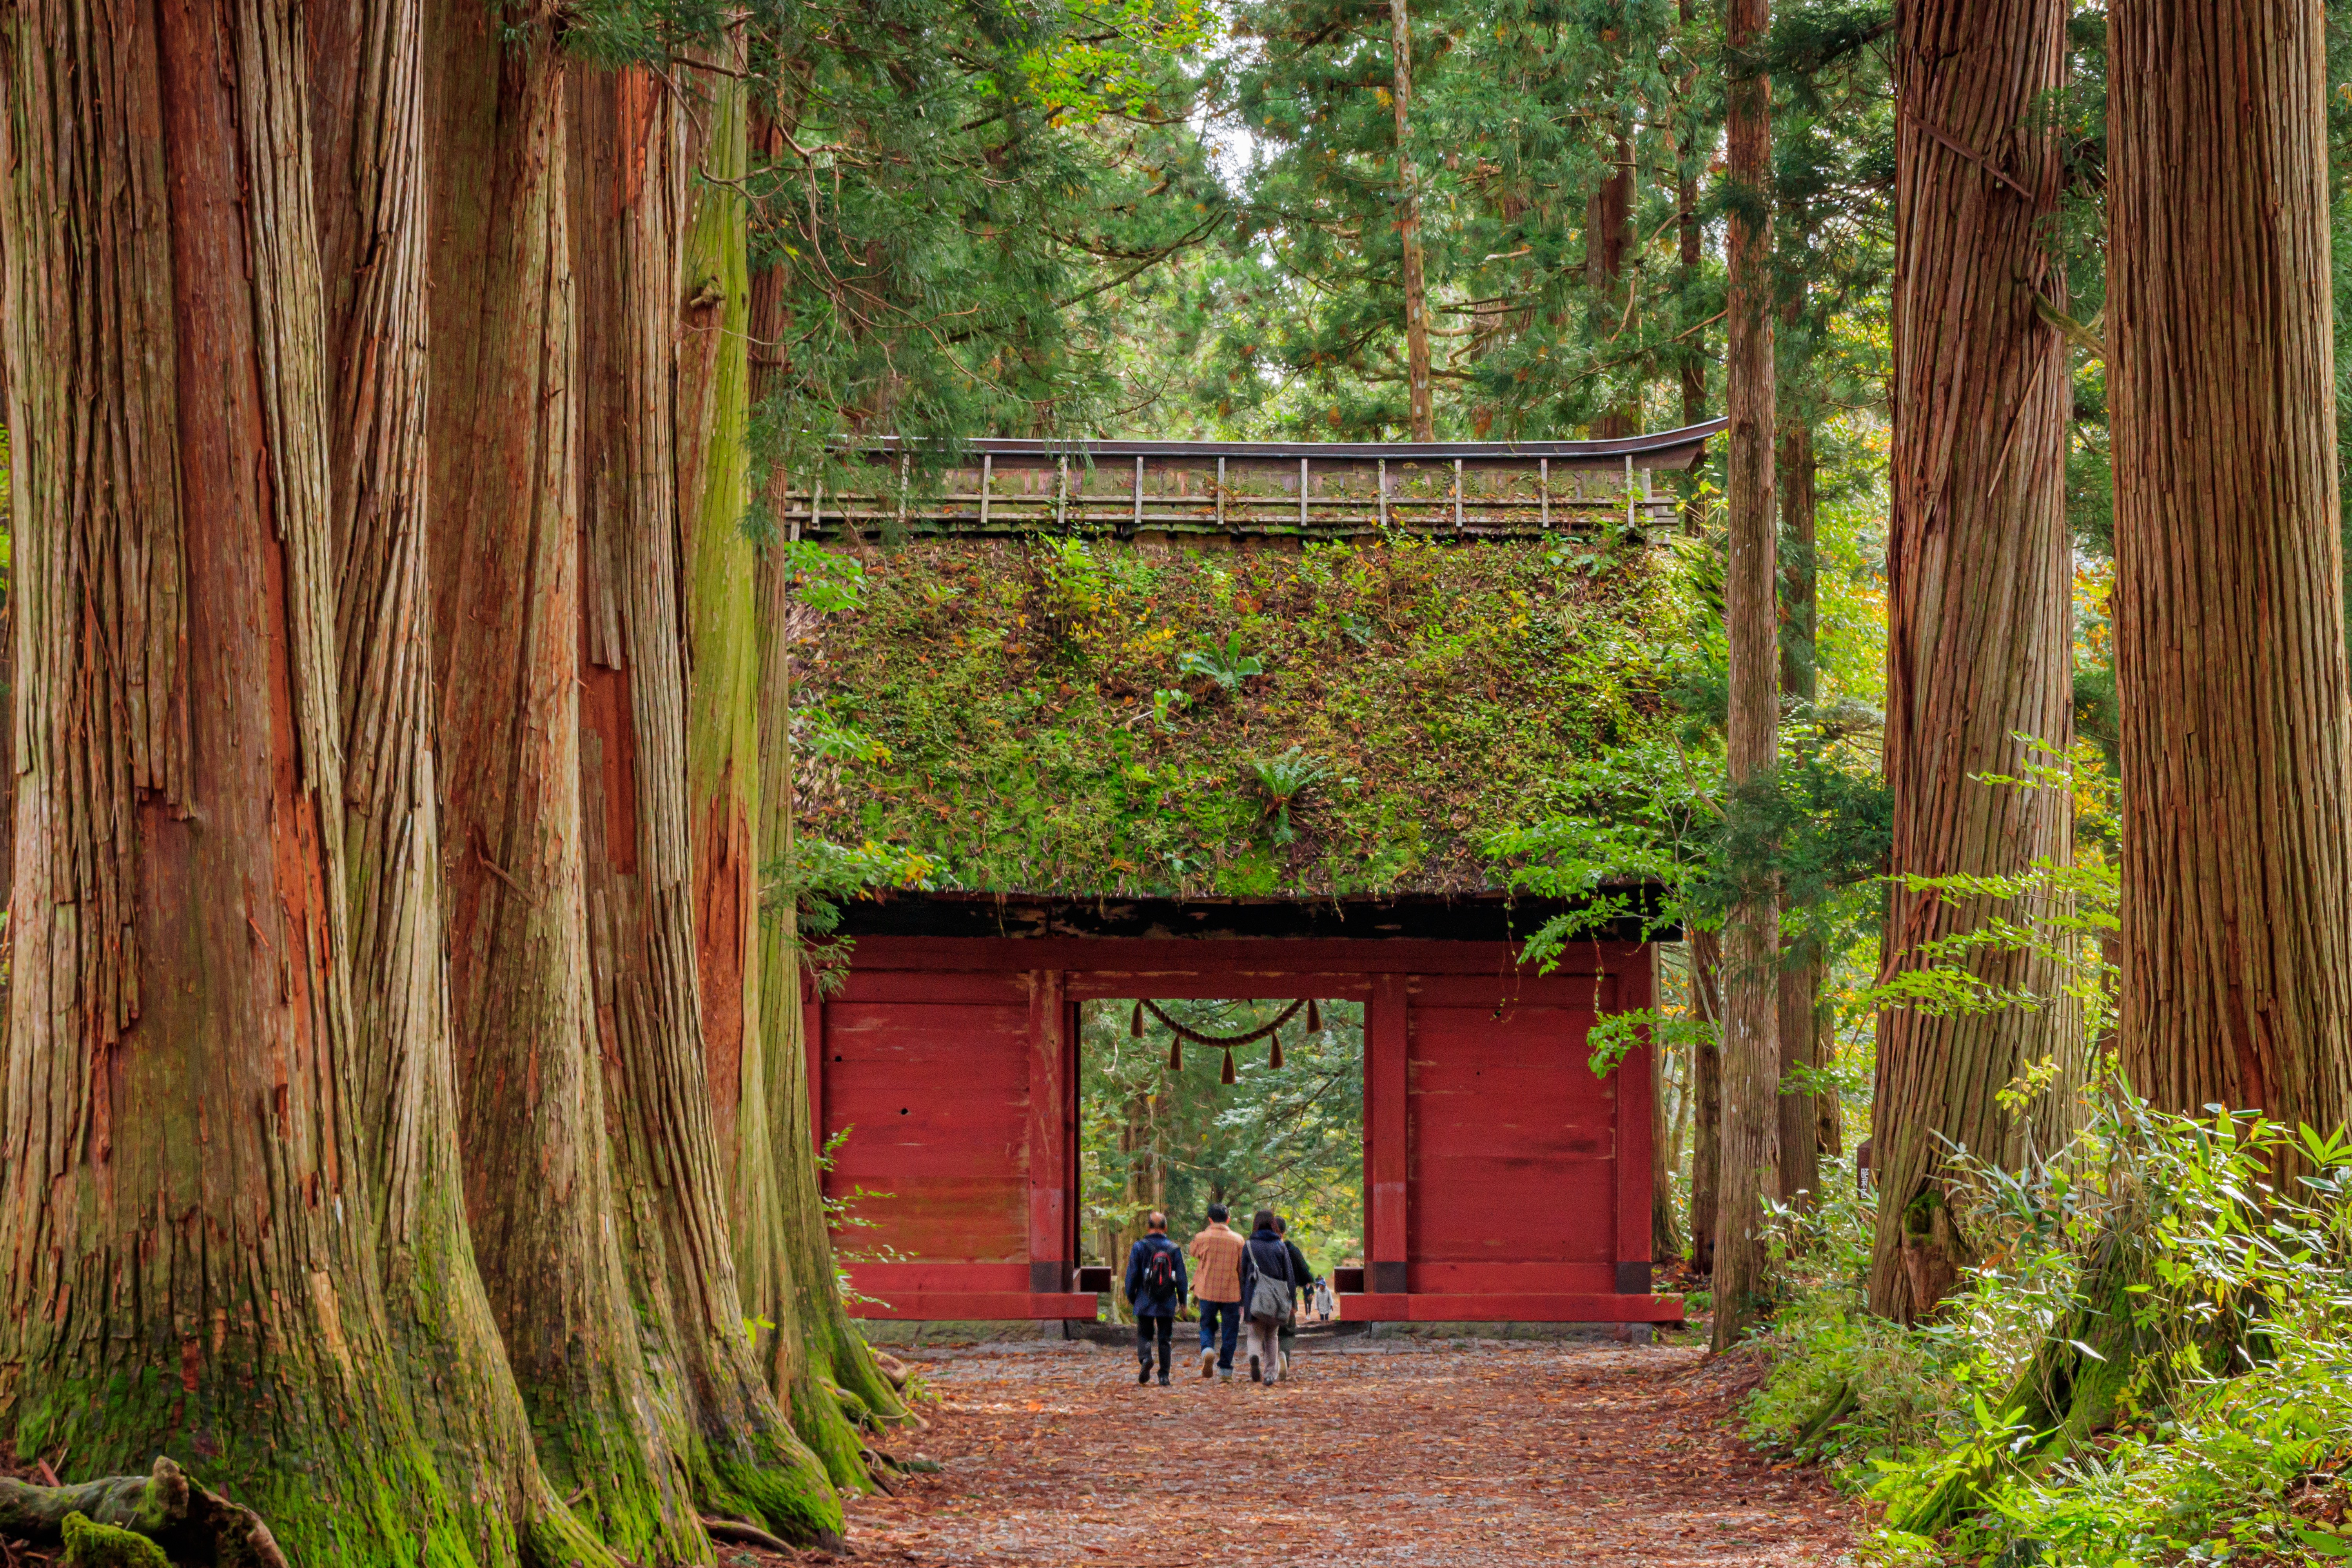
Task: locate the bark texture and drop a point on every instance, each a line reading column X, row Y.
column 2230, row 659
column 1751, row 937
column 1799, row 1001
column 367, row 117
column 1980, row 567
column 1707, row 1097
column 1417, row 293
column 185, row 1185
column 504, row 546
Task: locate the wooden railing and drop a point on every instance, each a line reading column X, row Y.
column 1311, row 490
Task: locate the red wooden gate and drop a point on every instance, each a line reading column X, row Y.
column 1504, row 1181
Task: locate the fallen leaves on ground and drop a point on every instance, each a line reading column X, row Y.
column 1470, row 1454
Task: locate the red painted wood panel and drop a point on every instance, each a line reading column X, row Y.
column 1511, row 1278
column 1637, row 989
column 980, row 1304
column 935, row 1094
column 881, row 1277
column 866, row 984
column 1215, row 955
column 1512, row 1138
column 1545, row 1308
column 1052, row 1093
column 1387, row 1130
column 1502, row 992
column 1176, row 985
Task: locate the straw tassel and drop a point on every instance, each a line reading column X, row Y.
column 1136, row 1027
column 1176, row 1053
column 1228, row 1075
column 1276, row 1060
column 1314, row 1018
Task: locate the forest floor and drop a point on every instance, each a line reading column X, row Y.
column 1461, row 1455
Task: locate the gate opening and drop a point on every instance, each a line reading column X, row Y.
column 1159, row 1127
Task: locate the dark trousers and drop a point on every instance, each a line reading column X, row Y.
column 1147, row 1330
column 1230, row 1312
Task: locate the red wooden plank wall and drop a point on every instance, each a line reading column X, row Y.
column 1512, row 1159
column 1502, row 1178
column 932, row 1074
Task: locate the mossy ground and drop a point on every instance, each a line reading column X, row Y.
column 1023, row 716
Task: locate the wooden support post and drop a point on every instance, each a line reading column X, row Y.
column 1220, row 493
column 1051, row 1086
column 1388, row 1086
column 1384, row 495
column 1302, row 494
column 813, row 1054
column 987, row 473
column 1635, row 988
column 1457, row 492
column 1543, row 493
column 1139, row 489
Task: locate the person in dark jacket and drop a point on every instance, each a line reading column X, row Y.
column 1155, row 1299
column 1302, row 1286
column 1264, row 1255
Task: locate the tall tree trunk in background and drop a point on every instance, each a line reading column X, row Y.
column 1979, row 566
column 1687, row 257
column 187, row 1198
column 820, row 1351
column 1416, row 296
column 2230, row 659
column 1798, row 1005
column 504, row 554
column 1707, row 1097
column 368, row 147
column 630, row 162
column 1751, row 937
column 1665, row 1235
column 1608, row 234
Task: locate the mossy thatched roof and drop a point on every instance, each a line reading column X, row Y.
column 1097, row 718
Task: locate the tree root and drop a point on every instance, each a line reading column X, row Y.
column 164, row 1506
column 742, row 1534
column 1836, row 1408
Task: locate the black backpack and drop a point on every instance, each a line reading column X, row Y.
column 1160, row 1271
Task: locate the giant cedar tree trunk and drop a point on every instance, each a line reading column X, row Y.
column 368, row 146
column 1799, row 1002
column 820, row 1349
column 629, row 168
column 503, row 539
column 2229, row 602
column 185, row 1210
column 1608, row 234
column 1416, row 294
column 1978, row 644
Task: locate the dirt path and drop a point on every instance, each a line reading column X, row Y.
column 1378, row 1453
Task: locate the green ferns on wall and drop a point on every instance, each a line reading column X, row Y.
column 1092, row 717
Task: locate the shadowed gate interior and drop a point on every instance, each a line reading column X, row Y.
column 1504, row 1180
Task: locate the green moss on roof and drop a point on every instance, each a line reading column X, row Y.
column 992, row 706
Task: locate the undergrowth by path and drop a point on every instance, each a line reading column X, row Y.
column 1471, row 1456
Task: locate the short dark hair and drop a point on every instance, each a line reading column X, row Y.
column 1157, row 1222
column 1264, row 1220
column 1217, row 1213
column 1280, row 1225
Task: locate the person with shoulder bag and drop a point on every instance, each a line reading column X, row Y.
column 1155, row 1289
column 1267, row 1286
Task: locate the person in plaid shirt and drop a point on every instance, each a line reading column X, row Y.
column 1217, row 1288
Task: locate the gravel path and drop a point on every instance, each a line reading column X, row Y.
column 1459, row 1455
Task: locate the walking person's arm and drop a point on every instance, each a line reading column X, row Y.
column 1134, row 1273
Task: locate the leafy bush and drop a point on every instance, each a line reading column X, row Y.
column 2220, row 1299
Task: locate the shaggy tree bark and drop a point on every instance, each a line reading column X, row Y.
column 1751, row 938
column 1416, row 296
column 1799, row 1001
column 629, row 168
column 503, row 537
column 1707, row 1097
column 369, row 156
column 822, row 1361
column 1980, row 564
column 2229, row 659
column 185, row 1202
